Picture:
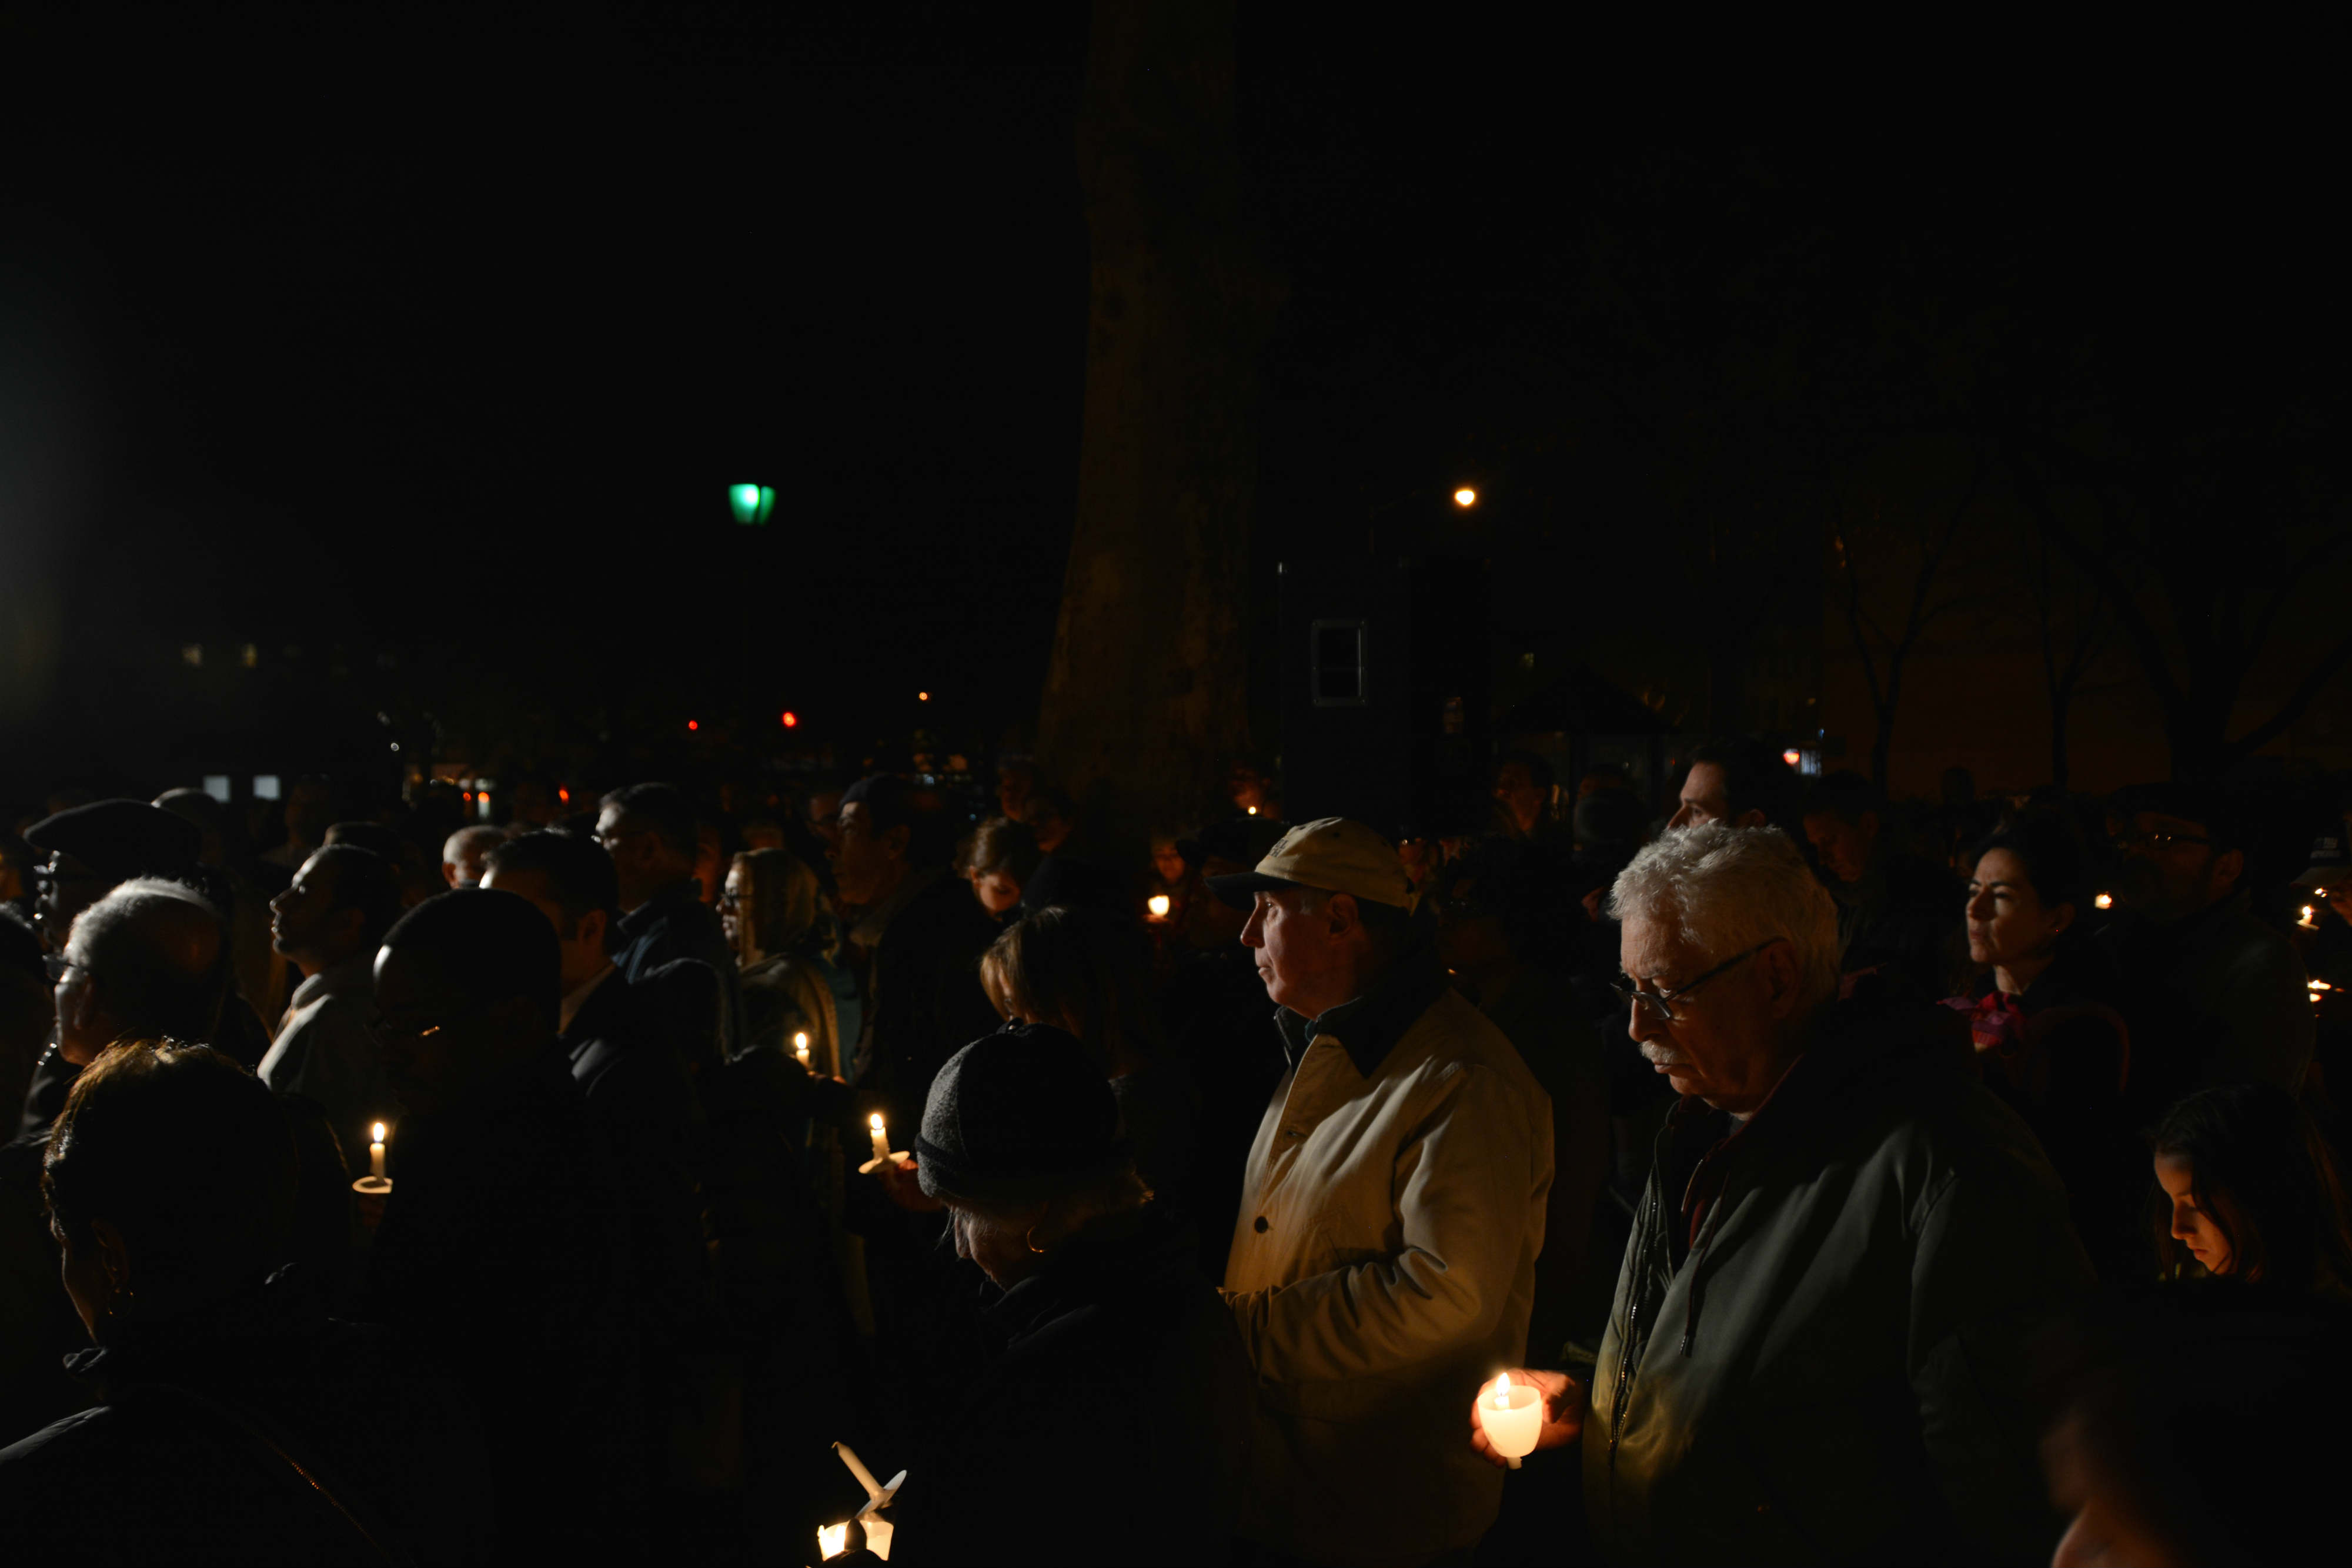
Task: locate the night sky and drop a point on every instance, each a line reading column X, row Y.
column 438, row 345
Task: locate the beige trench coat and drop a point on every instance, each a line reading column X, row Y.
column 1383, row 1267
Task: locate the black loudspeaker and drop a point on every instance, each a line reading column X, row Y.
column 1385, row 672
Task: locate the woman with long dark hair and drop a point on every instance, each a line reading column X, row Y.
column 2250, row 1194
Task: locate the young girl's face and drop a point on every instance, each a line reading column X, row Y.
column 2191, row 1226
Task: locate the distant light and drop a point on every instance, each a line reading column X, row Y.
column 564, row 796
column 922, row 697
column 191, row 654
column 395, row 746
column 2104, row 901
column 1466, row 497
column 1253, row 810
column 752, row 503
column 265, row 786
column 1792, row 757
column 252, row 656
column 470, row 796
column 791, row 719
column 217, row 785
column 692, row 723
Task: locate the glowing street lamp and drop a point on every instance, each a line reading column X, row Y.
column 752, row 504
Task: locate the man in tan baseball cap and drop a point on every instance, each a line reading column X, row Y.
column 1384, row 1258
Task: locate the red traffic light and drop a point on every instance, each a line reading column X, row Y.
column 791, row 719
column 691, row 724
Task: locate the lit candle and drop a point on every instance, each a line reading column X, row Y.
column 1512, row 1418
column 881, row 1138
column 2104, row 901
column 2307, row 922
column 375, row 1154
column 832, row 1540
column 1158, row 907
column 799, row 1046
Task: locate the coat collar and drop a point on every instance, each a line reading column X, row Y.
column 1369, row 1028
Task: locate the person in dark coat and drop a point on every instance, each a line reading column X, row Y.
column 1899, row 915
column 1113, row 1424
column 1817, row 1351
column 627, row 1046
column 2214, row 995
column 2047, row 1035
column 236, row 1422
column 1220, row 1027
column 913, row 946
column 654, row 838
column 501, row 1249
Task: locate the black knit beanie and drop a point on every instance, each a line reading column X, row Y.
column 1017, row 1117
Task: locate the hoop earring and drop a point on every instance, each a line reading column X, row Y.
column 1032, row 1239
column 121, row 1296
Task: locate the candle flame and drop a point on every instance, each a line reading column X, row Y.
column 379, row 1132
column 1160, row 905
column 874, row 1121
column 832, row 1540
column 1253, row 810
column 1503, row 1391
column 2104, row 901
column 2318, row 986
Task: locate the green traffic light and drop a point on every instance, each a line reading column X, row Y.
column 752, row 503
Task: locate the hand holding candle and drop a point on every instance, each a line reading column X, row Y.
column 1522, row 1411
column 1159, row 904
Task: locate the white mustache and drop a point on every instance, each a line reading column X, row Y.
column 1657, row 1056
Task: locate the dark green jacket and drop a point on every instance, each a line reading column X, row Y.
column 1832, row 1370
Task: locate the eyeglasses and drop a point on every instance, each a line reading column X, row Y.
column 2161, row 842
column 1662, row 1002
column 384, row 1026
column 730, row 900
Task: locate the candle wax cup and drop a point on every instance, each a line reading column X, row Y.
column 1513, row 1429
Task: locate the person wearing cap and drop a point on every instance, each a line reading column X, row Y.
column 2211, row 993
column 1113, row 1426
column 1383, row 1262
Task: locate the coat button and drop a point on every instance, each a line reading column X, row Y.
column 1261, row 1225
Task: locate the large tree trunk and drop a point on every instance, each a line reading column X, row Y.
column 1146, row 698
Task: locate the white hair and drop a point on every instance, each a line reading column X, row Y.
column 1723, row 890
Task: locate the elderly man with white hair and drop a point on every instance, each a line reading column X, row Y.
column 1816, row 1352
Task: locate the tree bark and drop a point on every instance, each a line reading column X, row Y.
column 1146, row 697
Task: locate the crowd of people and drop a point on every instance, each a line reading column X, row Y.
column 1853, row 1182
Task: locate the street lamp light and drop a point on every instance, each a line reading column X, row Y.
column 1466, row 497
column 751, row 503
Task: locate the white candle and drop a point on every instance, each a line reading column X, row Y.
column 858, row 1468
column 375, row 1154
column 881, row 1138
column 1512, row 1418
column 799, row 1046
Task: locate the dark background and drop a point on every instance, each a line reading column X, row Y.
column 418, row 354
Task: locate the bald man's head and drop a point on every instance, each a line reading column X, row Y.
column 149, row 959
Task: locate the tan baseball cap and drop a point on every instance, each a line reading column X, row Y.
column 1334, row 854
